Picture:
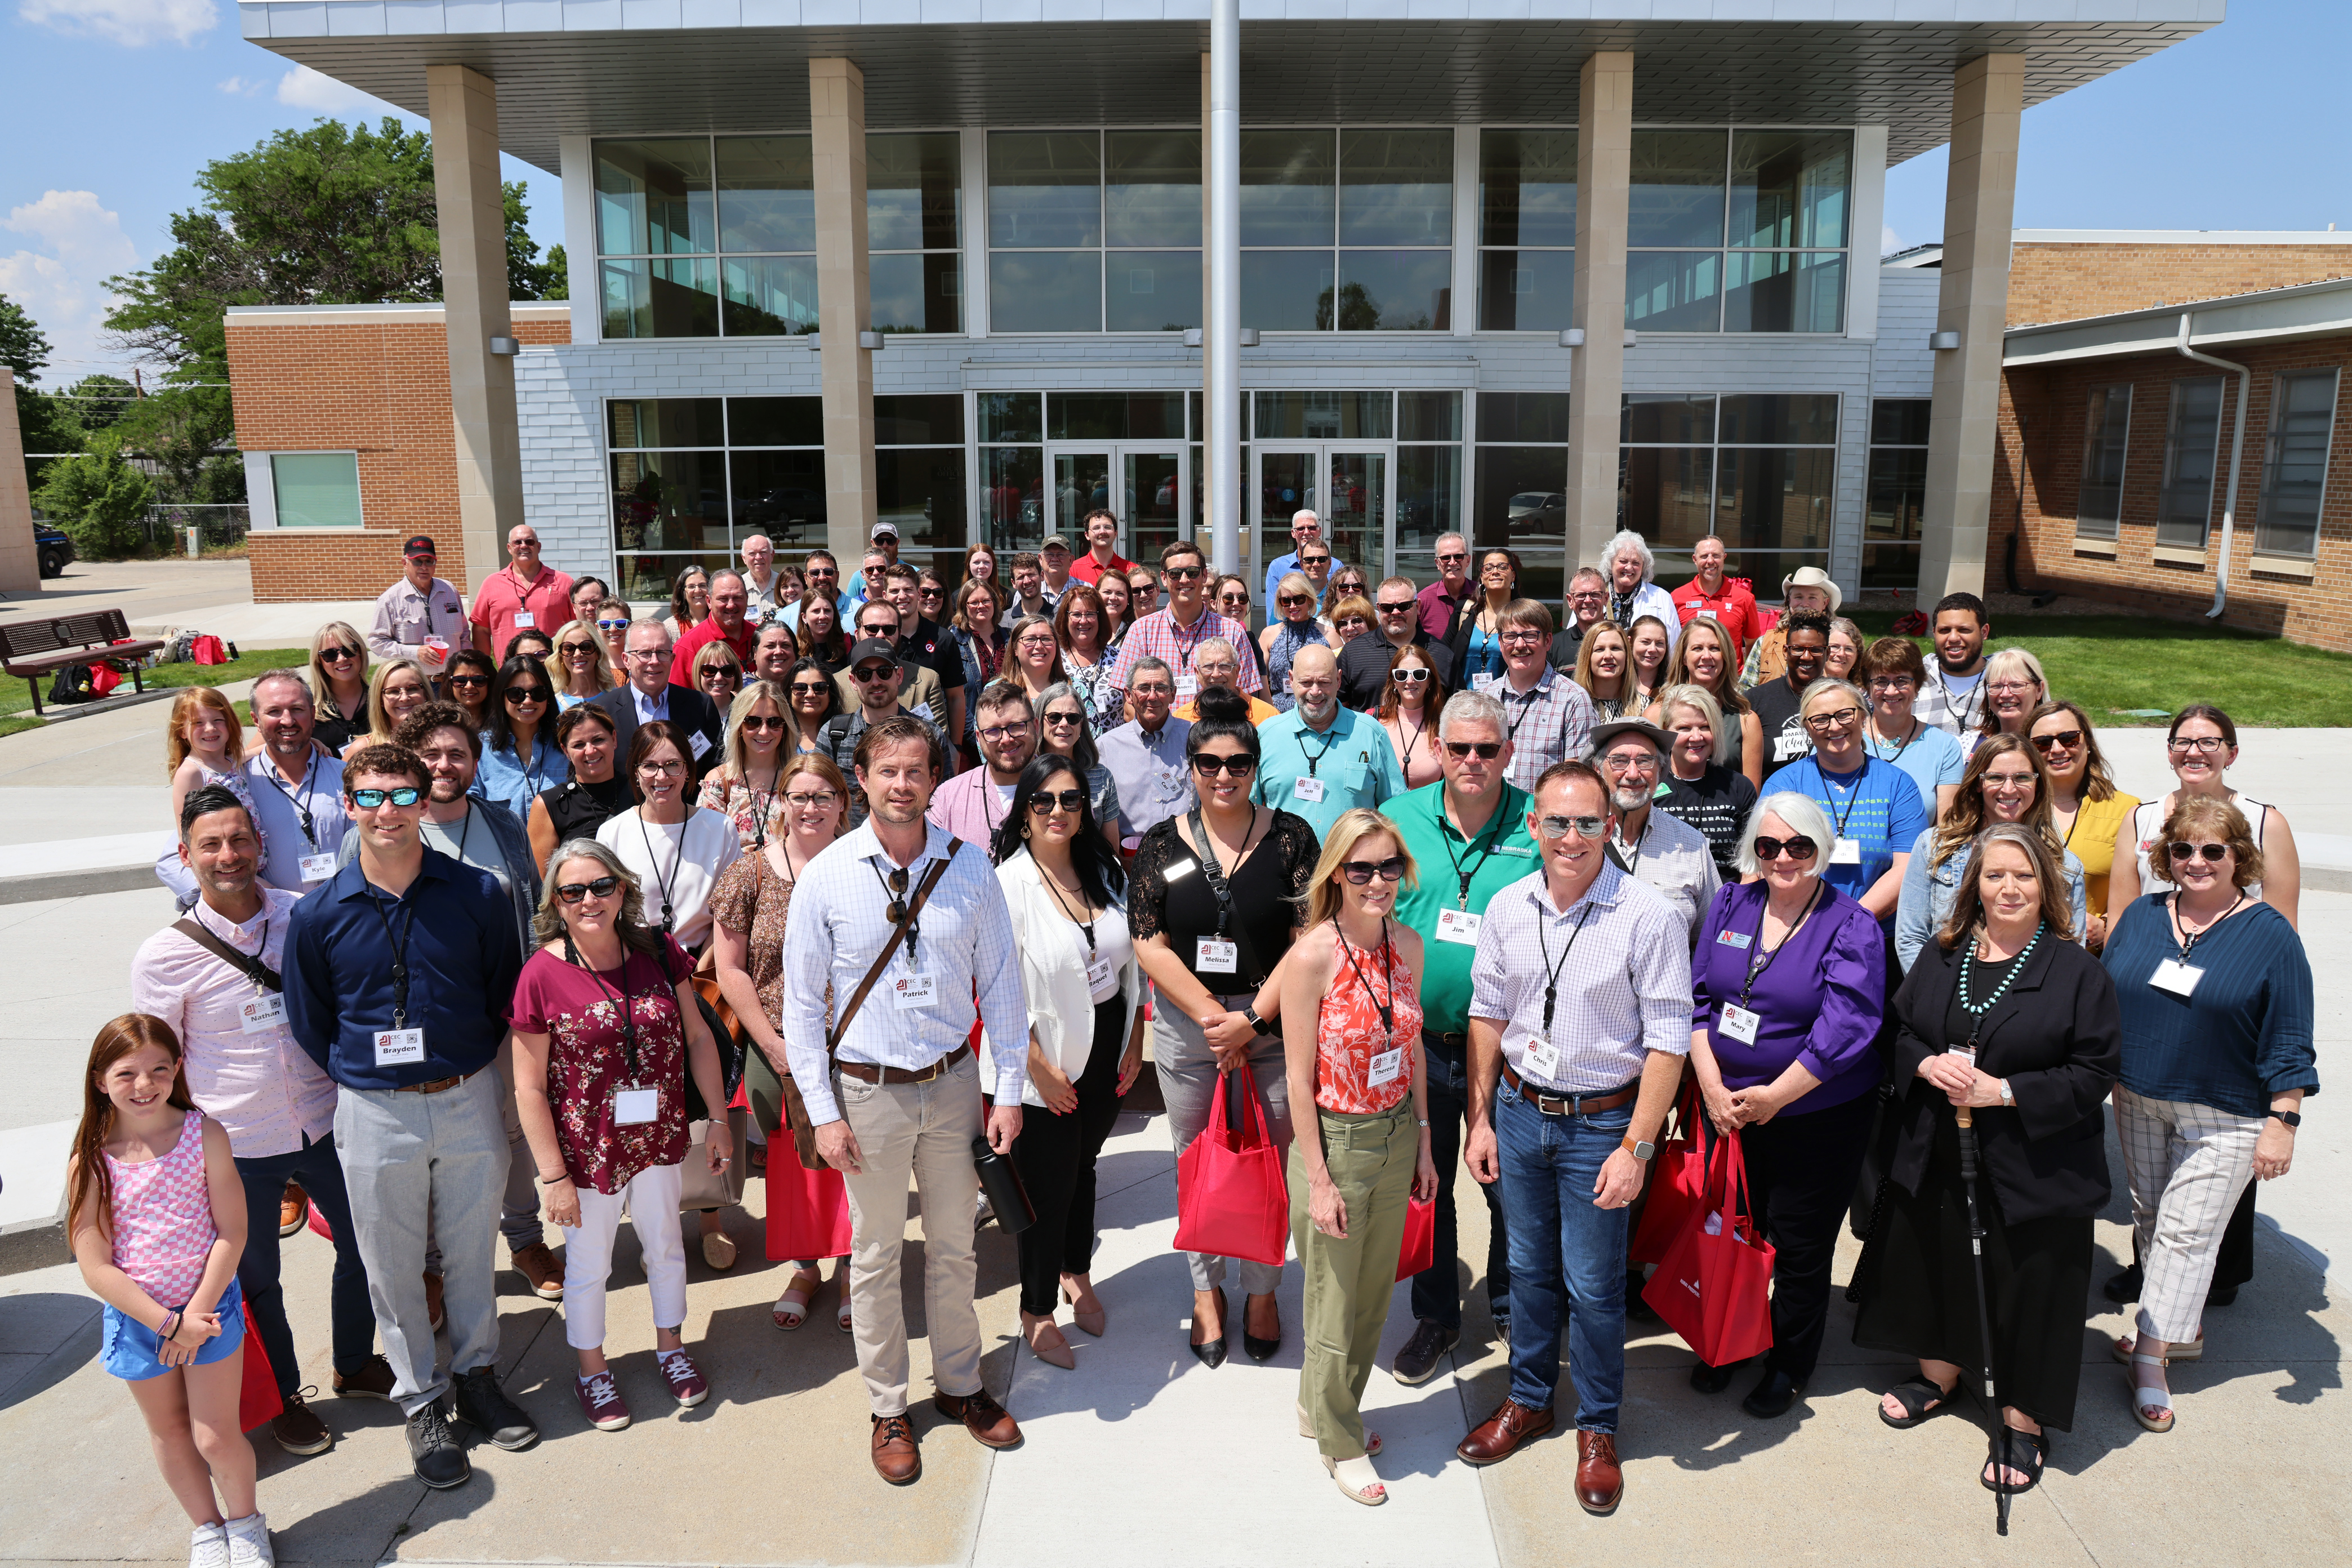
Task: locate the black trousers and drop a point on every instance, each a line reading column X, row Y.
column 1055, row 1156
column 1437, row 1294
column 1801, row 1176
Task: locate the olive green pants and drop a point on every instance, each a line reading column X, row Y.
column 1348, row 1279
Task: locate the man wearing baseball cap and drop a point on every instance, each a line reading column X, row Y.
column 1054, row 562
column 867, row 585
column 875, row 671
column 420, row 617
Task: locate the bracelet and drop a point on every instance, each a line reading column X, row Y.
column 1420, row 1124
column 170, row 1326
column 545, row 1180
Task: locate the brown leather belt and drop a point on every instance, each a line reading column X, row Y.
column 1572, row 1104
column 866, row 1072
column 435, row 1087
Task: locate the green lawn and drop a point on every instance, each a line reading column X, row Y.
column 15, row 700
column 2111, row 664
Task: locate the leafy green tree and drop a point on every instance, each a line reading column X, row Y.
column 97, row 499
column 99, row 401
column 46, row 425
column 527, row 278
column 23, row 345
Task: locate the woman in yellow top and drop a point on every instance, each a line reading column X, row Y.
column 2086, row 808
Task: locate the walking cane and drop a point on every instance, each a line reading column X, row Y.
column 1984, row 1316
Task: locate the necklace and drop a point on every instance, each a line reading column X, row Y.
column 2016, row 966
column 1086, row 924
column 2186, row 939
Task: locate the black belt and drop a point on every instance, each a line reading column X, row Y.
column 1457, row 1043
column 1572, row 1104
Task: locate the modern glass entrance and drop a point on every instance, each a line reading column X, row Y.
column 1148, row 485
column 1346, row 485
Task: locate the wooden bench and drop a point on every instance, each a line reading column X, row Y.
column 34, row 648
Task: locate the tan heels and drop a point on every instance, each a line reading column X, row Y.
column 1093, row 1322
column 1046, row 1341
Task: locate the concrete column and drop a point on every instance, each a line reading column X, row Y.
column 471, row 204
column 1604, row 158
column 20, row 561
column 844, row 303
column 1980, row 198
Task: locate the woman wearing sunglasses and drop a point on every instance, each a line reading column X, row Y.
column 1410, row 704
column 717, row 673
column 1347, row 583
column 1231, row 596
column 1218, row 897
column 2086, row 810
column 1350, row 618
column 1351, row 1050
column 339, row 669
column 607, row 1032
column 521, row 760
column 748, row 911
column 1788, row 989
column 398, row 688
column 471, row 678
column 613, row 627
column 2202, row 746
column 2005, row 781
column 582, row 670
column 2216, row 997
column 593, row 794
column 1296, row 627
column 811, row 698
column 1064, row 728
column 746, row 788
column 1065, row 888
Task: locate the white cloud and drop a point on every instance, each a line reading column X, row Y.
column 303, row 88
column 61, row 283
column 133, row 22
column 241, row 86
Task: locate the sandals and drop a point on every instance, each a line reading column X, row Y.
column 1920, row 1397
column 2188, row 1350
column 1093, row 1322
column 2030, row 1459
column 1371, row 1496
column 2146, row 1396
column 841, row 1278
column 792, row 1308
column 1372, row 1439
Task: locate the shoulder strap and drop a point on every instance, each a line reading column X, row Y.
column 246, row 962
column 882, row 960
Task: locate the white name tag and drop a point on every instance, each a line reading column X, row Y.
column 258, row 1015
column 1846, row 852
column 1216, row 957
column 1458, row 925
column 1786, row 747
column 915, row 991
column 923, row 711
column 1542, row 1057
column 399, row 1047
column 1188, row 686
column 2176, row 977
column 1738, row 939
column 700, row 743
column 318, row 867
column 1738, row 1024
column 1099, row 974
column 1706, row 614
column 1180, row 870
column 524, row 620
column 1963, row 1052
column 1309, row 790
column 1386, row 1065
column 635, row 1107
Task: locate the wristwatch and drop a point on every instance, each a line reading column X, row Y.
column 2292, row 1117
column 1254, row 1021
column 1639, row 1151
column 2007, row 1098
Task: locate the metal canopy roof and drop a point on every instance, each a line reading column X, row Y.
column 633, row 67
column 2293, row 314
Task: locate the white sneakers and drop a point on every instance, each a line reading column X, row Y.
column 208, row 1547
column 248, row 1542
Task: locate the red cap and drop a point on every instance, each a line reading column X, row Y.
column 419, row 544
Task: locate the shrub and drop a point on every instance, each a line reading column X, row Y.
column 98, row 499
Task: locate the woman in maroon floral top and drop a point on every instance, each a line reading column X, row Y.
column 605, row 1031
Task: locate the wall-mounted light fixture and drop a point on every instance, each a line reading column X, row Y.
column 1195, row 337
column 1942, row 341
column 870, row 339
column 505, row 346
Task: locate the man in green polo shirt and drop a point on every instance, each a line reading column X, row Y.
column 1468, row 835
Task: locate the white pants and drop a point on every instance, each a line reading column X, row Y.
column 2187, row 1163
column 651, row 1197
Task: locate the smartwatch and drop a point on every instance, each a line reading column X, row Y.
column 1639, row 1151
column 1254, row 1021
column 2292, row 1117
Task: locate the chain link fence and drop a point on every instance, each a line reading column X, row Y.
column 193, row 527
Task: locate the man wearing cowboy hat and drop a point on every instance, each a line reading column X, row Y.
column 1807, row 588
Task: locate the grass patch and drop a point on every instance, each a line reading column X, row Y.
column 2111, row 664
column 14, row 697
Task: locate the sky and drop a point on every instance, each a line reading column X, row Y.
column 113, row 105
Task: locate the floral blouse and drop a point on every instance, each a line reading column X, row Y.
column 1348, row 1032
column 1091, row 682
column 580, row 1013
column 750, row 812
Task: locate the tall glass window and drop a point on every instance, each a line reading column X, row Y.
column 1521, row 486
column 2099, row 495
column 2193, row 441
column 1093, row 231
column 1346, row 230
column 1013, row 472
column 1428, row 479
column 919, row 472
column 2294, row 467
column 705, row 237
column 1526, row 230
column 1772, row 461
column 1896, row 493
column 914, row 230
column 1739, row 231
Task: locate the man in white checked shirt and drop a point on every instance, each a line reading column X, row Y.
column 902, row 1091
column 1547, row 717
column 1579, row 1004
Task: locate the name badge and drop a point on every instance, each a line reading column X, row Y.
column 635, row 1106
column 399, row 1047
column 1386, row 1065
column 524, row 620
column 1188, row 686
column 1846, row 852
column 1965, row 1053
column 914, row 991
column 1309, row 790
column 1216, row 957
column 318, row 867
column 700, row 743
column 1738, row 939
column 1181, row 869
column 1787, row 747
column 2176, row 977
column 1458, row 925
column 1706, row 614
column 1542, row 1058
column 923, row 710
column 259, row 1014
column 1100, row 974
column 1738, row 1024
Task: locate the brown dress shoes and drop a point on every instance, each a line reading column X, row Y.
column 981, row 1416
column 1499, row 1435
column 1599, row 1482
column 895, row 1459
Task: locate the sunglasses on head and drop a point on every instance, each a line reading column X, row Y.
column 1799, row 848
column 1070, row 800
column 1363, row 871
column 1486, row 750
column 1239, row 766
column 369, row 799
column 573, row 892
column 2211, row 854
column 2065, row 739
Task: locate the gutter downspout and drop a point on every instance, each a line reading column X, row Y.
column 2237, row 453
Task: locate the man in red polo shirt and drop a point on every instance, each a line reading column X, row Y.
column 1102, row 535
column 521, row 597
column 1712, row 594
column 728, row 601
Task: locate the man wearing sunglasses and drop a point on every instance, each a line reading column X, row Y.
column 1442, row 600
column 1396, row 624
column 1146, row 754
column 398, row 974
column 652, row 688
column 1306, row 531
column 874, row 678
column 919, row 683
column 820, row 572
column 1320, row 759
column 1548, row 716
column 1579, row 1022
column 1650, row 845
column 924, row 643
column 521, row 596
column 1468, row 833
column 1175, row 634
column 972, row 804
column 420, row 617
column 1102, row 549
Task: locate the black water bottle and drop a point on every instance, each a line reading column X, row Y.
column 1002, row 1182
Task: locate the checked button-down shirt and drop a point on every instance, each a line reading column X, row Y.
column 1551, row 722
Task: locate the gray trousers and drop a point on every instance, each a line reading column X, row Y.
column 1188, row 1084
column 410, row 1161
column 519, row 1219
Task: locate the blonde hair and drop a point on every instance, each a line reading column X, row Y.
column 1355, row 825
column 342, row 633
column 754, row 692
column 2224, row 820
column 1701, row 701
column 379, row 723
column 605, row 679
column 176, row 748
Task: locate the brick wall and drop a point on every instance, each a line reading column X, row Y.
column 382, row 387
column 2065, row 282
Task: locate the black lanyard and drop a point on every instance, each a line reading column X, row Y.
column 1526, row 707
column 1494, row 825
column 665, row 884
column 1388, row 976
column 1618, row 846
column 1551, row 976
column 914, row 924
column 1829, row 792
column 1329, row 741
column 628, row 1005
column 1762, row 960
column 399, row 960
column 1916, row 727
column 301, row 805
column 1959, row 715
column 1219, row 884
column 464, row 833
column 1086, row 926
column 2184, row 941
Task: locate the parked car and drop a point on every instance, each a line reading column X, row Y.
column 1538, row 511
column 57, row 551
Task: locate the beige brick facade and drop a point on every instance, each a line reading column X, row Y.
column 2052, row 281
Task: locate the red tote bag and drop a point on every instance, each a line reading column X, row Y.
column 1231, row 1198
column 1419, row 1248
column 808, row 1211
column 1713, row 1286
column 258, row 1398
column 1678, row 1182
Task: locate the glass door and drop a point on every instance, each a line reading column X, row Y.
column 1347, row 487
column 1082, row 481
column 1286, row 482
column 1152, row 502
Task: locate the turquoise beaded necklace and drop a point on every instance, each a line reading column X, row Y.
column 1976, row 1014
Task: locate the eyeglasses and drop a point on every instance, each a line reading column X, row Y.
column 1583, row 826
column 2204, row 745
column 810, row 688
column 1060, row 718
column 1454, row 559
column 1891, row 683
column 1070, row 800
column 1185, row 573
column 1521, row 636
column 999, row 732
column 1800, row 848
column 812, row 801
column 369, row 799
column 1363, row 871
column 337, row 654
column 469, row 681
column 1411, row 676
column 2013, row 687
column 1239, row 766
column 1038, row 640
column 1839, row 718
column 661, row 770
column 613, row 626
column 1587, row 596
column 1633, row 762
column 2061, row 740
column 873, row 672
column 2211, row 854
column 1486, row 750
column 521, row 694
column 1393, row 607
column 1493, row 566
column 648, row 654
column 753, row 722
column 573, row 892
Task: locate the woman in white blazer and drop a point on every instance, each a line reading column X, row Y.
column 1065, row 888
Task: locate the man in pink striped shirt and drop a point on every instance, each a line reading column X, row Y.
column 972, row 804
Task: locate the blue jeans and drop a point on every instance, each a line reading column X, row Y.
column 353, row 1319
column 1567, row 1257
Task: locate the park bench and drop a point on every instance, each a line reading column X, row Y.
column 34, row 648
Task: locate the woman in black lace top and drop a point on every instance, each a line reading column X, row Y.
column 1215, row 959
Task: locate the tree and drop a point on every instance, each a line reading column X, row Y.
column 23, row 345
column 97, row 499
column 99, row 401
column 527, row 278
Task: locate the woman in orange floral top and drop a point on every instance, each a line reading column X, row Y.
column 606, row 1029
column 1352, row 1034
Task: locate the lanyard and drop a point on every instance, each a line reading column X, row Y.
column 1086, row 926
column 301, row 805
column 2186, row 943
column 628, row 1007
column 1762, row 960
column 664, row 883
column 1494, row 825
column 1631, row 854
column 399, row 961
column 1829, row 792
column 1960, row 714
column 914, row 925
column 1527, row 706
column 1329, row 740
column 1916, row 727
column 463, row 834
column 1551, row 978
column 1387, row 1008
column 264, row 978
column 1219, row 883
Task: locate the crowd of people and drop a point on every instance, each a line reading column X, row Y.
column 544, row 910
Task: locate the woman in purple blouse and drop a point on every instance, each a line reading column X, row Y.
column 1788, row 988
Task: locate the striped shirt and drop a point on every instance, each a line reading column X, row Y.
column 1551, row 722
column 1156, row 636
column 1623, row 987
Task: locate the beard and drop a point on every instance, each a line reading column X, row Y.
column 1629, row 799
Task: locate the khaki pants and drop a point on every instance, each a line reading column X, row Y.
column 925, row 1129
column 1349, row 1281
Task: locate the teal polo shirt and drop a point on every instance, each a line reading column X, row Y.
column 1503, row 852
column 1352, row 762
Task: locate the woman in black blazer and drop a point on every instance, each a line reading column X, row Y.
column 2004, row 977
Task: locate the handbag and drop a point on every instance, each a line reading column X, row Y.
column 1418, row 1251
column 1713, row 1286
column 1677, row 1184
column 1231, row 1200
column 258, row 1399
column 702, row 1187
column 808, row 1212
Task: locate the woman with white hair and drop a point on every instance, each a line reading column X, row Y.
column 2014, row 687
column 1628, row 565
column 1702, row 789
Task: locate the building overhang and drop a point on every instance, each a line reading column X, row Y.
column 637, row 67
column 2296, row 314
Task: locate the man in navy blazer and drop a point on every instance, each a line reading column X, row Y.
column 647, row 694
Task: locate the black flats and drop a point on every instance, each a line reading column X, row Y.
column 1259, row 1350
column 1212, row 1352
column 1773, row 1395
column 1708, row 1379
